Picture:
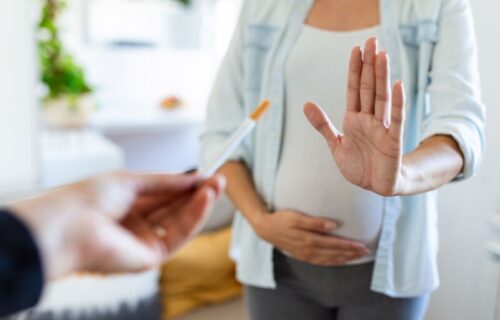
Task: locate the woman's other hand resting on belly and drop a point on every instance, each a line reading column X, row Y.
column 308, row 239
column 369, row 152
column 305, row 238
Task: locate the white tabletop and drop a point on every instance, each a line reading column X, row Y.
column 71, row 156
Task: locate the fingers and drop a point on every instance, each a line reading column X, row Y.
column 332, row 258
column 166, row 184
column 373, row 84
column 113, row 249
column 145, row 205
column 353, row 80
column 309, row 239
column 334, row 243
column 398, row 111
column 133, row 245
column 328, row 250
column 185, row 222
column 218, row 183
column 367, row 86
column 319, row 120
column 382, row 89
column 315, row 228
column 160, row 216
column 319, row 225
column 315, row 244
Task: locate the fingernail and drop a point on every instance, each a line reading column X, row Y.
column 366, row 251
column 199, row 179
column 330, row 226
column 222, row 181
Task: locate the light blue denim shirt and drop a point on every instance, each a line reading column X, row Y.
column 432, row 48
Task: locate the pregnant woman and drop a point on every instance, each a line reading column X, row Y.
column 346, row 229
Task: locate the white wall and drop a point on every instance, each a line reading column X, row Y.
column 469, row 278
column 18, row 170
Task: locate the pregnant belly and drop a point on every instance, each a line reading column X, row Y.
column 357, row 211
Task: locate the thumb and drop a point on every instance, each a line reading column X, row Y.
column 319, row 120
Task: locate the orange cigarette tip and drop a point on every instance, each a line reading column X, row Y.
column 261, row 109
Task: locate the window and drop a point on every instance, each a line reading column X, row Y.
column 159, row 23
column 136, row 52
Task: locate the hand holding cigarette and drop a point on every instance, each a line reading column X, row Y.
column 120, row 222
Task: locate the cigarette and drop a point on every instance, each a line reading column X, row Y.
column 233, row 142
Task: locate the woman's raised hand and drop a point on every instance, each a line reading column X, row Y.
column 369, row 151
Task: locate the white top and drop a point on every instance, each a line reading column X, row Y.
column 308, row 179
column 265, row 35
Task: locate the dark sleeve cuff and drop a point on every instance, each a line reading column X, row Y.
column 21, row 274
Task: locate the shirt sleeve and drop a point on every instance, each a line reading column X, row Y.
column 21, row 274
column 225, row 110
column 454, row 90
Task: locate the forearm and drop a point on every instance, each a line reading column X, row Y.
column 437, row 161
column 241, row 190
column 51, row 228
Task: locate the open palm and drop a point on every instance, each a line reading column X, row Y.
column 369, row 151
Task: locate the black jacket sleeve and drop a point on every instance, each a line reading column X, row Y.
column 21, row 274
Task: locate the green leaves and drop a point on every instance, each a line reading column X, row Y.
column 59, row 72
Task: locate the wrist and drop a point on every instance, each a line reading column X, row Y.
column 400, row 188
column 404, row 179
column 259, row 222
column 48, row 219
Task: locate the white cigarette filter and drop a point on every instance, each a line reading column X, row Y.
column 223, row 153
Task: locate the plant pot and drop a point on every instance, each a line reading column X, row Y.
column 68, row 112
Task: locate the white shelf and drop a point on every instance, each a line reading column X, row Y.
column 70, row 156
column 129, row 121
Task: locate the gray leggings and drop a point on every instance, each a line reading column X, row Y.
column 312, row 292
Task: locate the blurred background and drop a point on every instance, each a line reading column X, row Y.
column 91, row 86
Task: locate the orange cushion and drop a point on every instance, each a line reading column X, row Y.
column 199, row 274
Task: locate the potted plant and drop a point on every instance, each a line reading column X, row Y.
column 68, row 99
